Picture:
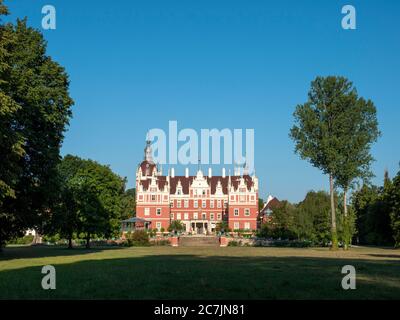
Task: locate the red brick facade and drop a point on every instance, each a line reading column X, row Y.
column 200, row 202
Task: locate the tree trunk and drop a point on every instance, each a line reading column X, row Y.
column 333, row 215
column 70, row 241
column 88, row 241
column 346, row 237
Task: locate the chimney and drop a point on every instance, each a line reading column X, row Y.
column 223, row 173
column 187, row 173
column 172, row 173
column 209, row 173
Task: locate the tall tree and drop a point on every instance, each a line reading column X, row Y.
column 64, row 218
column 317, row 131
column 98, row 193
column 357, row 130
column 35, row 110
column 11, row 142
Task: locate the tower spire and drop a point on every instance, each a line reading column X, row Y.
column 147, row 151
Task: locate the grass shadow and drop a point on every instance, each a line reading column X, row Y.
column 192, row 276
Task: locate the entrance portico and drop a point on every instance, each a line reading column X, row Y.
column 198, row 227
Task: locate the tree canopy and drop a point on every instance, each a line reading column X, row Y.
column 35, row 109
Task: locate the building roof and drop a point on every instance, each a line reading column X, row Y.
column 187, row 181
column 270, row 205
column 147, row 167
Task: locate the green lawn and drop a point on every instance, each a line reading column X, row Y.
column 199, row 273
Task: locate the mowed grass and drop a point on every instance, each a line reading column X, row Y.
column 199, row 273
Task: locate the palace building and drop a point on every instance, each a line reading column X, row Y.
column 200, row 202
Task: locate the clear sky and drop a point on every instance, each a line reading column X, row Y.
column 135, row 65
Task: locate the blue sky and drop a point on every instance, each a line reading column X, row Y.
column 135, row 65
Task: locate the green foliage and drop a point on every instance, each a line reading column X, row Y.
column 128, row 203
column 334, row 131
column 22, row 240
column 138, row 238
column 222, row 227
column 313, row 220
column 175, row 226
column 392, row 196
column 283, row 222
column 260, row 204
column 373, row 207
column 234, row 243
column 308, row 221
column 90, row 200
column 35, row 108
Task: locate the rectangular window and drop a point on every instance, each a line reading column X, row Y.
column 172, row 216
column 195, row 216
column 153, row 197
column 212, row 204
column 236, row 226
column 242, row 198
column 247, row 212
column 226, row 204
column 158, row 225
column 178, row 203
column 146, row 211
column 158, row 212
column 195, row 204
column 186, row 203
column 178, row 216
column 204, row 204
column 204, row 216
column 172, row 204
column 247, row 225
column 236, row 212
column 219, row 216
column 186, row 216
column 211, row 216
column 219, row 203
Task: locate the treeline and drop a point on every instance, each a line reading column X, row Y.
column 308, row 220
column 373, row 217
column 378, row 213
column 91, row 201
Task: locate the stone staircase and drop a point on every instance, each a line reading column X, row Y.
column 199, row 241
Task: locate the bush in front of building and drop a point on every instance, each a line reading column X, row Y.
column 22, row 240
column 138, row 238
column 176, row 226
column 234, row 243
column 152, row 233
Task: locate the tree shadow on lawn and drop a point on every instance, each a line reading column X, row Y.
column 43, row 251
column 206, row 277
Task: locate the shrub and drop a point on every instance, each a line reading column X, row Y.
column 175, row 226
column 22, row 240
column 234, row 243
column 137, row 238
